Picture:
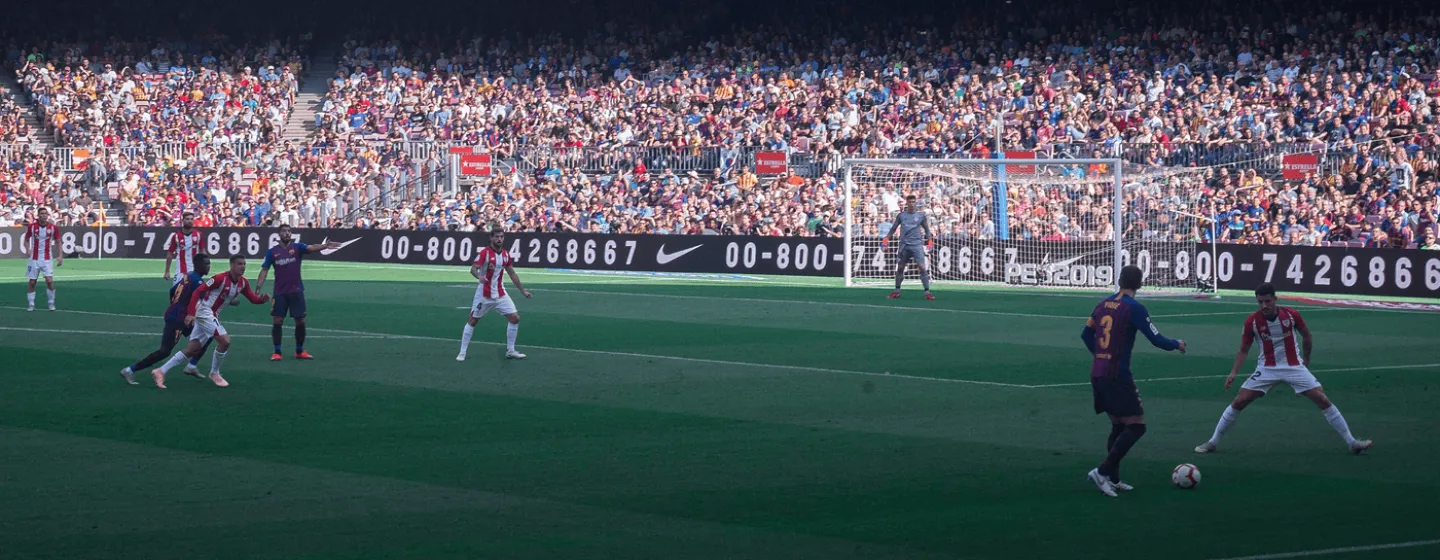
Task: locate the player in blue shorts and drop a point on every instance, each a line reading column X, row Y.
column 1110, row 336
column 175, row 327
column 289, row 290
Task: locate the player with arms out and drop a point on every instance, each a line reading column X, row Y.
column 175, row 326
column 914, row 232
column 203, row 315
column 42, row 238
column 183, row 246
column 1110, row 336
column 1279, row 362
column 490, row 294
column 289, row 290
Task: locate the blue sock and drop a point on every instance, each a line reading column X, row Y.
column 277, row 348
column 195, row 361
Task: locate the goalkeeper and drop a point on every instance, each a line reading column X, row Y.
column 915, row 236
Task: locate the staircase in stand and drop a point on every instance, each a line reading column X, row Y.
column 308, row 101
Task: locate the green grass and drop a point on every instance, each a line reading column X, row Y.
column 682, row 418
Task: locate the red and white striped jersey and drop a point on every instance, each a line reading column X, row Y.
column 39, row 237
column 184, row 247
column 215, row 293
column 492, row 265
column 1278, row 347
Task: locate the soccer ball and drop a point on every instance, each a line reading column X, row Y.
column 1185, row 476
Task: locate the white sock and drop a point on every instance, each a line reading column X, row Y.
column 30, row 297
column 50, row 294
column 465, row 337
column 175, row 360
column 215, row 360
column 511, row 329
column 1227, row 419
column 1332, row 415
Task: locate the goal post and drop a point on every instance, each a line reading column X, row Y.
column 1042, row 223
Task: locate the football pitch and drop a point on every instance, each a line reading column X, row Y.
column 665, row 417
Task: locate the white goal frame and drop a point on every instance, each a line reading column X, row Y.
column 1114, row 179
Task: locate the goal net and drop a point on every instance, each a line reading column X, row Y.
column 1034, row 223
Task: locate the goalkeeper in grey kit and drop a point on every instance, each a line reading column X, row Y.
column 914, row 231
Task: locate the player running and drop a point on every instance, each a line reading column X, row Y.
column 175, row 325
column 184, row 246
column 289, row 290
column 914, row 232
column 42, row 237
column 490, row 294
column 1279, row 362
column 1110, row 336
column 203, row 314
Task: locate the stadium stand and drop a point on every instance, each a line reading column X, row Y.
column 653, row 129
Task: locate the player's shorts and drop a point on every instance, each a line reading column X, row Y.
column 291, row 304
column 206, row 329
column 38, row 268
column 912, row 252
column 173, row 333
column 483, row 305
column 1118, row 397
column 1298, row 378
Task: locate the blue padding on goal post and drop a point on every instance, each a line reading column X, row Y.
column 1002, row 201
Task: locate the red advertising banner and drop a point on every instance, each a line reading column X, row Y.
column 1020, row 169
column 462, row 150
column 1298, row 166
column 475, row 164
column 770, row 163
column 80, row 159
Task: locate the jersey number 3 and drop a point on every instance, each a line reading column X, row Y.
column 1106, row 323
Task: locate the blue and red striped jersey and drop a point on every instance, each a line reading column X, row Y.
column 1110, row 335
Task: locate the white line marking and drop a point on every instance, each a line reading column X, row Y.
column 118, row 276
column 609, row 353
column 598, row 275
column 825, row 303
column 1333, row 370
column 742, row 364
column 133, row 333
column 868, row 305
column 1375, row 368
column 1329, row 551
column 817, row 284
column 1173, row 315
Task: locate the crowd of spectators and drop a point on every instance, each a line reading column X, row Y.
column 13, row 128
column 297, row 185
column 137, row 94
column 1218, row 94
column 901, row 88
column 29, row 181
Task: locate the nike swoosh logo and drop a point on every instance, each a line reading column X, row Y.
column 662, row 257
column 342, row 245
column 1060, row 265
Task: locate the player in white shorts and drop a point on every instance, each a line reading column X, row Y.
column 40, row 239
column 203, row 314
column 1280, row 362
column 490, row 294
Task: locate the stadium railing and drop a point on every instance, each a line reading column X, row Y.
column 1263, row 156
